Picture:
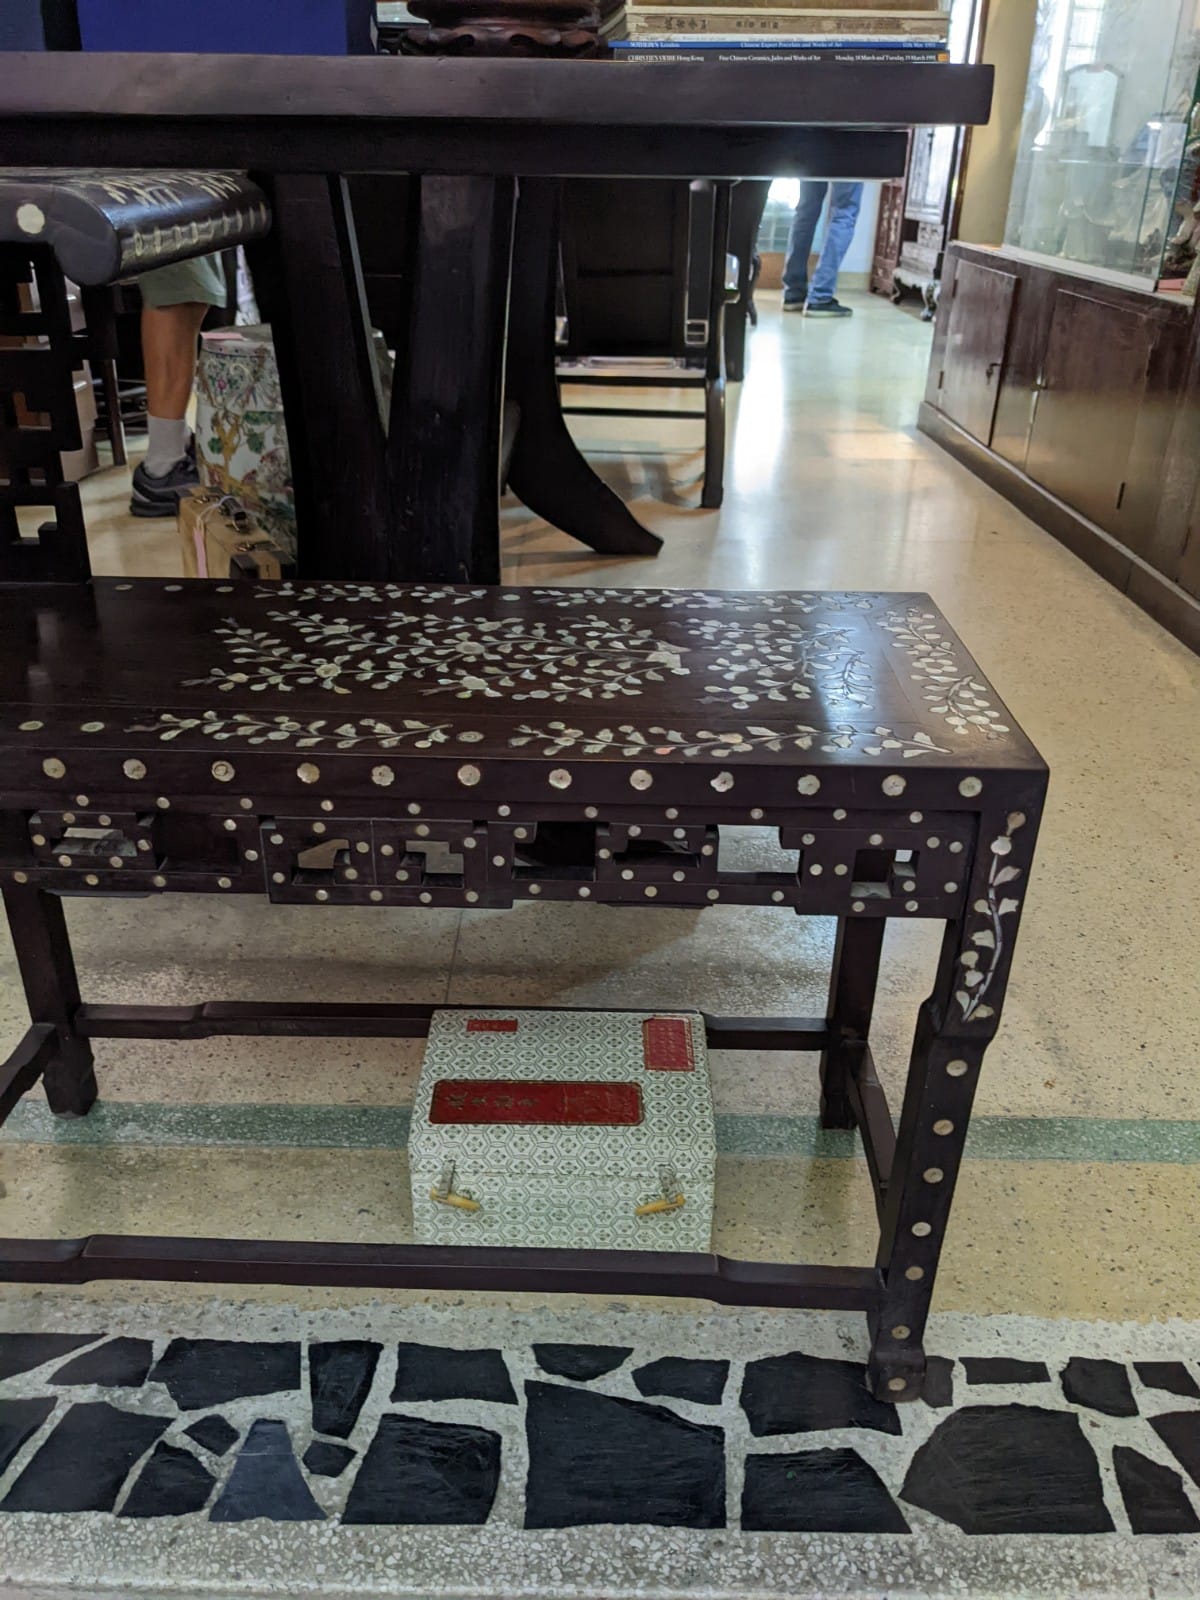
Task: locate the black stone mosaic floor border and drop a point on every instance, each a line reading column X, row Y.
column 138, row 1428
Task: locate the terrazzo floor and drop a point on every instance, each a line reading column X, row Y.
column 1073, row 1238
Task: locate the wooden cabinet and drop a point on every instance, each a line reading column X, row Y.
column 1092, row 387
column 1189, row 566
column 981, row 301
column 1079, row 399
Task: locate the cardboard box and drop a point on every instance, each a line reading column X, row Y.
column 218, row 537
column 79, row 464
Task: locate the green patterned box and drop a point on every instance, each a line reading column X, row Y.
column 581, row 1130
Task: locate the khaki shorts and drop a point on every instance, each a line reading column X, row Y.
column 200, row 281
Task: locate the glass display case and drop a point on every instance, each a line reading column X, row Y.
column 1106, row 171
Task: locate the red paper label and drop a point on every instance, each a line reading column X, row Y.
column 492, row 1025
column 667, row 1045
column 538, row 1102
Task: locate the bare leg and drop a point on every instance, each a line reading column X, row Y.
column 169, row 335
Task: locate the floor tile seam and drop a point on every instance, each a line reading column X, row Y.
column 304, row 1125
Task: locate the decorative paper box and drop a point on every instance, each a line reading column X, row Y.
column 579, row 1130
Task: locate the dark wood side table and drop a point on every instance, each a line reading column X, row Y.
column 200, row 738
column 418, row 498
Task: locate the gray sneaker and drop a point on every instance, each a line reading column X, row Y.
column 793, row 305
column 160, row 497
column 827, row 308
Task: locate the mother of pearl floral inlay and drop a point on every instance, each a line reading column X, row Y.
column 563, row 648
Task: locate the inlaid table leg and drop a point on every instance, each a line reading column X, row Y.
column 954, row 1027
column 851, row 1001
column 47, row 967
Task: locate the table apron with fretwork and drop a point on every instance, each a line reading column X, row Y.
column 352, row 744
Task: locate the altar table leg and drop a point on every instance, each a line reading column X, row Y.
column 43, row 949
column 547, row 471
column 446, row 435
column 309, row 282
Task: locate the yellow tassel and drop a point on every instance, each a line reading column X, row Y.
column 460, row 1201
column 656, row 1207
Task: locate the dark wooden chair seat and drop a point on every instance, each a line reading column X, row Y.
column 354, row 745
column 105, row 226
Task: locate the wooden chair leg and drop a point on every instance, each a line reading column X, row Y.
column 47, row 967
column 99, row 313
column 713, row 494
column 714, row 372
column 115, row 427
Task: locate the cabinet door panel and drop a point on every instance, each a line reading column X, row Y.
column 1092, row 384
column 1189, row 564
column 975, row 342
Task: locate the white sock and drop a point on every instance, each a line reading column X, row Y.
column 168, row 444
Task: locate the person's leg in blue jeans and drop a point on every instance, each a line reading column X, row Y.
column 844, row 202
column 800, row 240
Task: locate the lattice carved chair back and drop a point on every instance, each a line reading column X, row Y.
column 626, row 253
column 39, row 420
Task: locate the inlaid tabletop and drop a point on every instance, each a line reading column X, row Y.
column 678, row 677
